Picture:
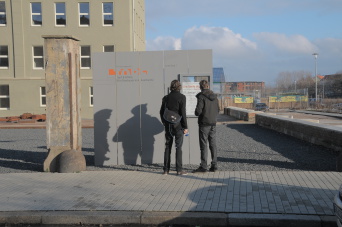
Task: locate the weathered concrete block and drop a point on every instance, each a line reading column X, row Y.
column 63, row 98
column 71, row 161
column 242, row 114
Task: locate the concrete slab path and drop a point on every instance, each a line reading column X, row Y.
column 226, row 198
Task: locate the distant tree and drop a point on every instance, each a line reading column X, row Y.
column 291, row 81
column 332, row 85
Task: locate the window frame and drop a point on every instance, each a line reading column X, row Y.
column 83, row 14
column 106, row 14
column 42, row 96
column 60, row 14
column 91, row 96
column 5, row 56
column 37, row 57
column 36, row 14
column 85, row 57
column 104, row 46
column 5, row 97
column 4, row 14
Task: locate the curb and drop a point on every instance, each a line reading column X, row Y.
column 281, row 220
column 146, row 218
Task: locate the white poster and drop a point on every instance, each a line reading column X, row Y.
column 190, row 90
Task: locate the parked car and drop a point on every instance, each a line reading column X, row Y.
column 338, row 207
column 261, row 107
column 337, row 106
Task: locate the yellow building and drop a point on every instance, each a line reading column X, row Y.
column 101, row 26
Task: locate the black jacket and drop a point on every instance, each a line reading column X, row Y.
column 207, row 108
column 176, row 102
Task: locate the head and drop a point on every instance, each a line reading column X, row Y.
column 204, row 84
column 175, row 85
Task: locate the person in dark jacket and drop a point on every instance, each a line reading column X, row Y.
column 207, row 109
column 175, row 101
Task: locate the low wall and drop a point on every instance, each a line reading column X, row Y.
column 315, row 133
column 324, row 135
column 241, row 114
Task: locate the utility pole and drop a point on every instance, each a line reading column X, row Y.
column 315, row 55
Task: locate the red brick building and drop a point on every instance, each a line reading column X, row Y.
column 245, row 87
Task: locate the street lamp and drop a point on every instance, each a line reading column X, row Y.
column 315, row 55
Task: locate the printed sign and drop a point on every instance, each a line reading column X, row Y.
column 190, row 90
column 288, row 98
column 243, row 99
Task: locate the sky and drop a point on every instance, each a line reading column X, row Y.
column 253, row 40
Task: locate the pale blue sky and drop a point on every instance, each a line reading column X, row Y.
column 251, row 39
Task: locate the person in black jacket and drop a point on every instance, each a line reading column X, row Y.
column 175, row 101
column 207, row 109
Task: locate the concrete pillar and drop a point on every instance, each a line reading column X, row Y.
column 63, row 106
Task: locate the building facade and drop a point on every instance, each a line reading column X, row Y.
column 219, row 80
column 101, row 26
column 250, row 88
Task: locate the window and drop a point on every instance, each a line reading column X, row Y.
column 109, row 48
column 85, row 57
column 3, row 21
column 91, row 96
column 4, row 97
column 3, row 57
column 84, row 13
column 42, row 96
column 107, row 12
column 38, row 57
column 60, row 14
column 36, row 14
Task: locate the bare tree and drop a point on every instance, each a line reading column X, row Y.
column 291, row 81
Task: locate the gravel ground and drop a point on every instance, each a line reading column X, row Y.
column 241, row 147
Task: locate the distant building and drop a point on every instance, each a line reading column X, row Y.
column 219, row 80
column 251, row 88
column 101, row 26
column 330, row 86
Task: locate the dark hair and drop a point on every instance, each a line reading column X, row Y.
column 175, row 85
column 204, row 84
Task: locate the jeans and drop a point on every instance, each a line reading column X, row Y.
column 168, row 145
column 208, row 133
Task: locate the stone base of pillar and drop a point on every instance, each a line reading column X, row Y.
column 51, row 161
column 71, row 161
column 64, row 160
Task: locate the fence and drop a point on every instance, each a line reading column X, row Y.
column 325, row 104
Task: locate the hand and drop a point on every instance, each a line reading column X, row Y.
column 185, row 131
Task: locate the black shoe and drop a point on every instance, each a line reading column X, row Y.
column 213, row 169
column 200, row 170
column 182, row 173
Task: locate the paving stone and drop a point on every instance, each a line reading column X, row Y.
column 240, row 192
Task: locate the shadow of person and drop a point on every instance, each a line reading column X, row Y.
column 129, row 135
column 137, row 136
column 101, row 128
column 150, row 127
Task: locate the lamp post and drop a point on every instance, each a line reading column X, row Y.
column 315, row 55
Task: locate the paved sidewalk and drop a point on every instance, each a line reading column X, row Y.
column 217, row 199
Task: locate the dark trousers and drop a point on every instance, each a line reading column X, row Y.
column 178, row 135
column 208, row 134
